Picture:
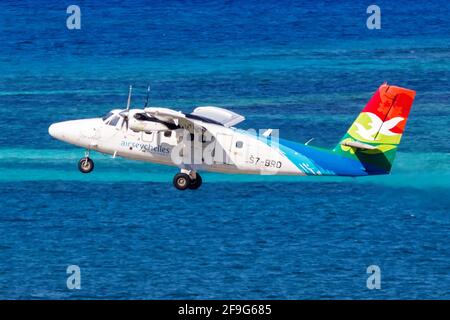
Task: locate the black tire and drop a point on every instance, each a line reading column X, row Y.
column 182, row 181
column 85, row 165
column 196, row 183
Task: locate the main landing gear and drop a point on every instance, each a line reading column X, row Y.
column 187, row 180
column 86, row 165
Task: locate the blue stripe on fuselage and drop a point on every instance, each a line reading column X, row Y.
column 331, row 163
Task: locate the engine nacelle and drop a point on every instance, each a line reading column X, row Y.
column 143, row 122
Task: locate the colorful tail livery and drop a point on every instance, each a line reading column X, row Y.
column 374, row 136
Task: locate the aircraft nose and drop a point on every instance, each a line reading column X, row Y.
column 72, row 131
column 55, row 130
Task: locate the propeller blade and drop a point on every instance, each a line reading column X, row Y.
column 148, row 93
column 129, row 98
column 124, row 114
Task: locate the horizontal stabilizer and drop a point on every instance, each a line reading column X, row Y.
column 358, row 145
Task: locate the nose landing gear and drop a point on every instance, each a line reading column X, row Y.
column 86, row 165
column 187, row 180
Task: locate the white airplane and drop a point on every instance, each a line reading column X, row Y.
column 206, row 140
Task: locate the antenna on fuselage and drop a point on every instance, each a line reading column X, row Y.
column 148, row 94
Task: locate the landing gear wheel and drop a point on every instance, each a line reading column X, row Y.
column 196, row 183
column 182, row 181
column 85, row 165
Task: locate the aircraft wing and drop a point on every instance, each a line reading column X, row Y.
column 225, row 117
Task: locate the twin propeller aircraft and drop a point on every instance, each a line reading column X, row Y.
column 206, row 140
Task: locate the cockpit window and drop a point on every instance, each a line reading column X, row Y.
column 106, row 116
column 114, row 121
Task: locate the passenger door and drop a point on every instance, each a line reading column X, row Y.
column 222, row 150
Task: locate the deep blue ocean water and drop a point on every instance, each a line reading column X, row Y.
column 305, row 67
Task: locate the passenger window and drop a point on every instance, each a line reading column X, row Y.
column 114, row 121
column 239, row 144
column 167, row 134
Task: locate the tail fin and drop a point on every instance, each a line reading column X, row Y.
column 374, row 136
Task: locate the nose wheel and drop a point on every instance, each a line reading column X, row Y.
column 85, row 165
column 183, row 181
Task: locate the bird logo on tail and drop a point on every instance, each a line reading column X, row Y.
column 376, row 125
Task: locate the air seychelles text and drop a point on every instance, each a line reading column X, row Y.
column 145, row 147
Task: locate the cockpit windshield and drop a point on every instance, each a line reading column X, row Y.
column 106, row 116
column 114, row 121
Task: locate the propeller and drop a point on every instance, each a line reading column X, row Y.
column 148, row 93
column 129, row 98
column 124, row 113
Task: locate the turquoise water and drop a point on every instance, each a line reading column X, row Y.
column 306, row 68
